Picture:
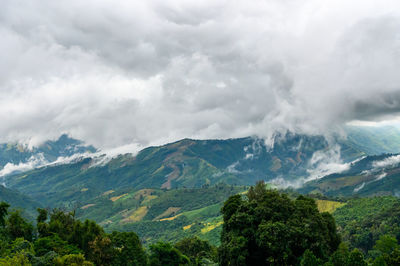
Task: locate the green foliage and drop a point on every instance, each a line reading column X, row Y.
column 197, row 208
column 342, row 257
column 128, row 249
column 101, row 250
column 196, row 250
column 309, row 259
column 17, row 226
column 72, row 260
column 19, row 259
column 363, row 221
column 3, row 212
column 356, row 258
column 270, row 228
column 386, row 244
column 164, row 254
column 54, row 243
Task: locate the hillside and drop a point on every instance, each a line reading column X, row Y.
column 186, row 163
column 374, row 140
column 373, row 175
column 19, row 201
column 362, row 221
column 159, row 214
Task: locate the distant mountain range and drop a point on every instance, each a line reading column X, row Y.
column 186, row 163
column 373, row 175
column 190, row 163
column 181, row 186
column 49, row 151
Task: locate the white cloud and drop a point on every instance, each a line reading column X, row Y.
column 387, row 162
column 33, row 162
column 147, row 72
column 326, row 162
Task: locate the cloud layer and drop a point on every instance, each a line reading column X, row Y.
column 147, row 72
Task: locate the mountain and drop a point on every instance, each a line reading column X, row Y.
column 161, row 214
column 49, row 151
column 19, row 201
column 186, row 163
column 374, row 140
column 372, row 175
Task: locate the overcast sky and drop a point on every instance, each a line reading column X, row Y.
column 148, row 72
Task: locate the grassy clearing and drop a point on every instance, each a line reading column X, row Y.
column 170, row 211
column 108, row 192
column 211, row 226
column 328, row 205
column 87, row 206
column 187, row 227
column 118, row 197
column 170, row 218
column 137, row 215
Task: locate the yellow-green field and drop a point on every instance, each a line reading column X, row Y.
column 328, row 205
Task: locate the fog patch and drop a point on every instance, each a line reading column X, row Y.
column 358, row 188
column 33, row 162
column 326, row 162
column 283, row 183
column 381, row 176
column 387, row 162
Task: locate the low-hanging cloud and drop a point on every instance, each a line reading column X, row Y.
column 147, row 72
column 391, row 161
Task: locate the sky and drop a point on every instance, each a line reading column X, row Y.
column 138, row 73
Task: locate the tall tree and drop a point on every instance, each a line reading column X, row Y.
column 268, row 228
column 3, row 212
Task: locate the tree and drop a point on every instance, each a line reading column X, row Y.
column 309, row 259
column 356, row 258
column 17, row 259
column 42, row 215
column 196, row 249
column 42, row 226
column 3, row 212
column 128, row 249
column 72, row 259
column 340, row 256
column 257, row 192
column 101, row 251
column 386, row 244
column 270, row 228
column 18, row 227
column 54, row 243
column 164, row 254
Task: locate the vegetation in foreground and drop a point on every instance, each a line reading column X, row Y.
column 264, row 227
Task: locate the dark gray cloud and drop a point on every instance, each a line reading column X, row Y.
column 147, row 72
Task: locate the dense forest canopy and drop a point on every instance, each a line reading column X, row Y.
column 262, row 227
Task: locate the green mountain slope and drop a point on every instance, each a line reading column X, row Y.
column 186, row 163
column 19, row 201
column 373, row 175
column 374, row 140
column 160, row 214
column 362, row 221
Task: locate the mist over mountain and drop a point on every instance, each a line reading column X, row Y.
column 17, row 157
column 290, row 161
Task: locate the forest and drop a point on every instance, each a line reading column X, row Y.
column 260, row 227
